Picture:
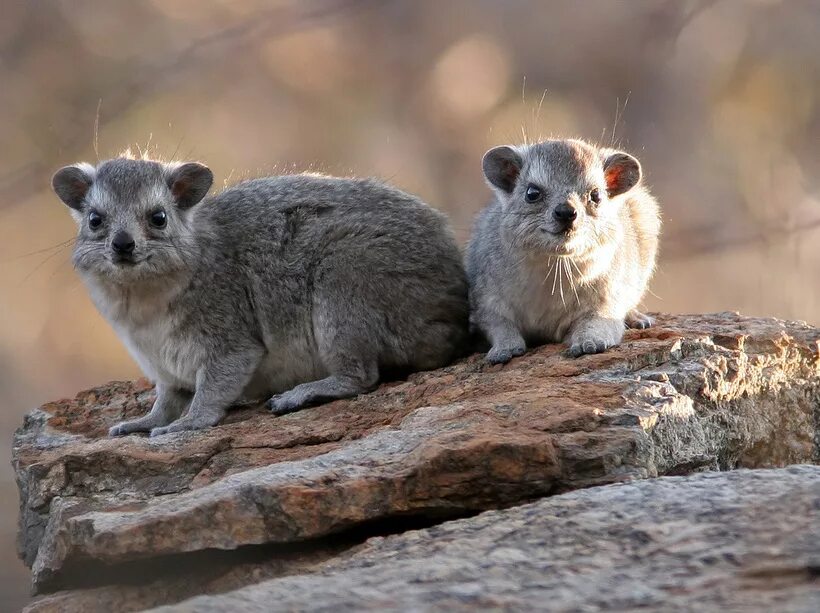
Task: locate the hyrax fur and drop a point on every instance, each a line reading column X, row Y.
column 565, row 251
column 305, row 287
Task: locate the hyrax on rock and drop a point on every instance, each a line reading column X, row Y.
column 304, row 287
column 565, row 251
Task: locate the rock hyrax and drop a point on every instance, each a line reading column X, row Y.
column 305, row 287
column 565, row 251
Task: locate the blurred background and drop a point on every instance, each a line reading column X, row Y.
column 718, row 98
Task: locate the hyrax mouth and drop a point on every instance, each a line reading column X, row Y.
column 567, row 243
column 124, row 261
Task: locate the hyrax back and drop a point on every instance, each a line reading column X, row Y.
column 565, row 251
column 305, row 287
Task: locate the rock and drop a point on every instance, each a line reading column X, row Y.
column 741, row 540
column 693, row 393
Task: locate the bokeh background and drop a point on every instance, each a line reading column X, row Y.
column 718, row 98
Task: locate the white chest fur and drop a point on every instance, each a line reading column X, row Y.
column 151, row 333
column 550, row 293
column 544, row 300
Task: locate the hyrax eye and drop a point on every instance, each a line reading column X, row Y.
column 595, row 196
column 94, row 220
column 533, row 194
column 158, row 218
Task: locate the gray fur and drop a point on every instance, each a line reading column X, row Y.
column 306, row 287
column 530, row 281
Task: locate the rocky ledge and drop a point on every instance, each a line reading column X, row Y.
column 133, row 522
column 746, row 540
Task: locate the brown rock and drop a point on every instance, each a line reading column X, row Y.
column 693, row 393
column 745, row 540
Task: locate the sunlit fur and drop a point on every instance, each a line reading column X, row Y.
column 531, row 282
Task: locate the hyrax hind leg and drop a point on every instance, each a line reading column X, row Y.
column 352, row 379
column 637, row 320
column 349, row 352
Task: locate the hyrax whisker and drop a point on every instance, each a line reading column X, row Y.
column 561, row 284
column 59, row 246
column 571, row 281
column 546, row 276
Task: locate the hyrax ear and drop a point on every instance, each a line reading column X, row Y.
column 71, row 184
column 189, row 183
column 622, row 172
column 501, row 167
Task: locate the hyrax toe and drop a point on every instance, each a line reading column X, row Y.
column 637, row 320
column 117, row 430
column 588, row 346
column 282, row 404
column 502, row 355
column 197, row 422
column 160, row 430
column 125, row 427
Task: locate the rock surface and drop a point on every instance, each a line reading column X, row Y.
column 693, row 393
column 743, row 540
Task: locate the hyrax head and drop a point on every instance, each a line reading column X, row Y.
column 560, row 196
column 133, row 216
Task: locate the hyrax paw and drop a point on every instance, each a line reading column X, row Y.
column 282, row 404
column 637, row 320
column 175, row 427
column 126, row 427
column 181, row 425
column 117, row 430
column 502, row 355
column 588, row 346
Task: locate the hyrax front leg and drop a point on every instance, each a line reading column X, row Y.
column 219, row 384
column 168, row 406
column 594, row 335
column 504, row 336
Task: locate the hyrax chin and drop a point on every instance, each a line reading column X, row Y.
column 565, row 251
column 304, row 287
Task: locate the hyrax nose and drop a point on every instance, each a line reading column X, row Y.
column 123, row 243
column 565, row 214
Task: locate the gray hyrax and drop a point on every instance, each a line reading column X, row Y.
column 307, row 287
column 565, row 251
